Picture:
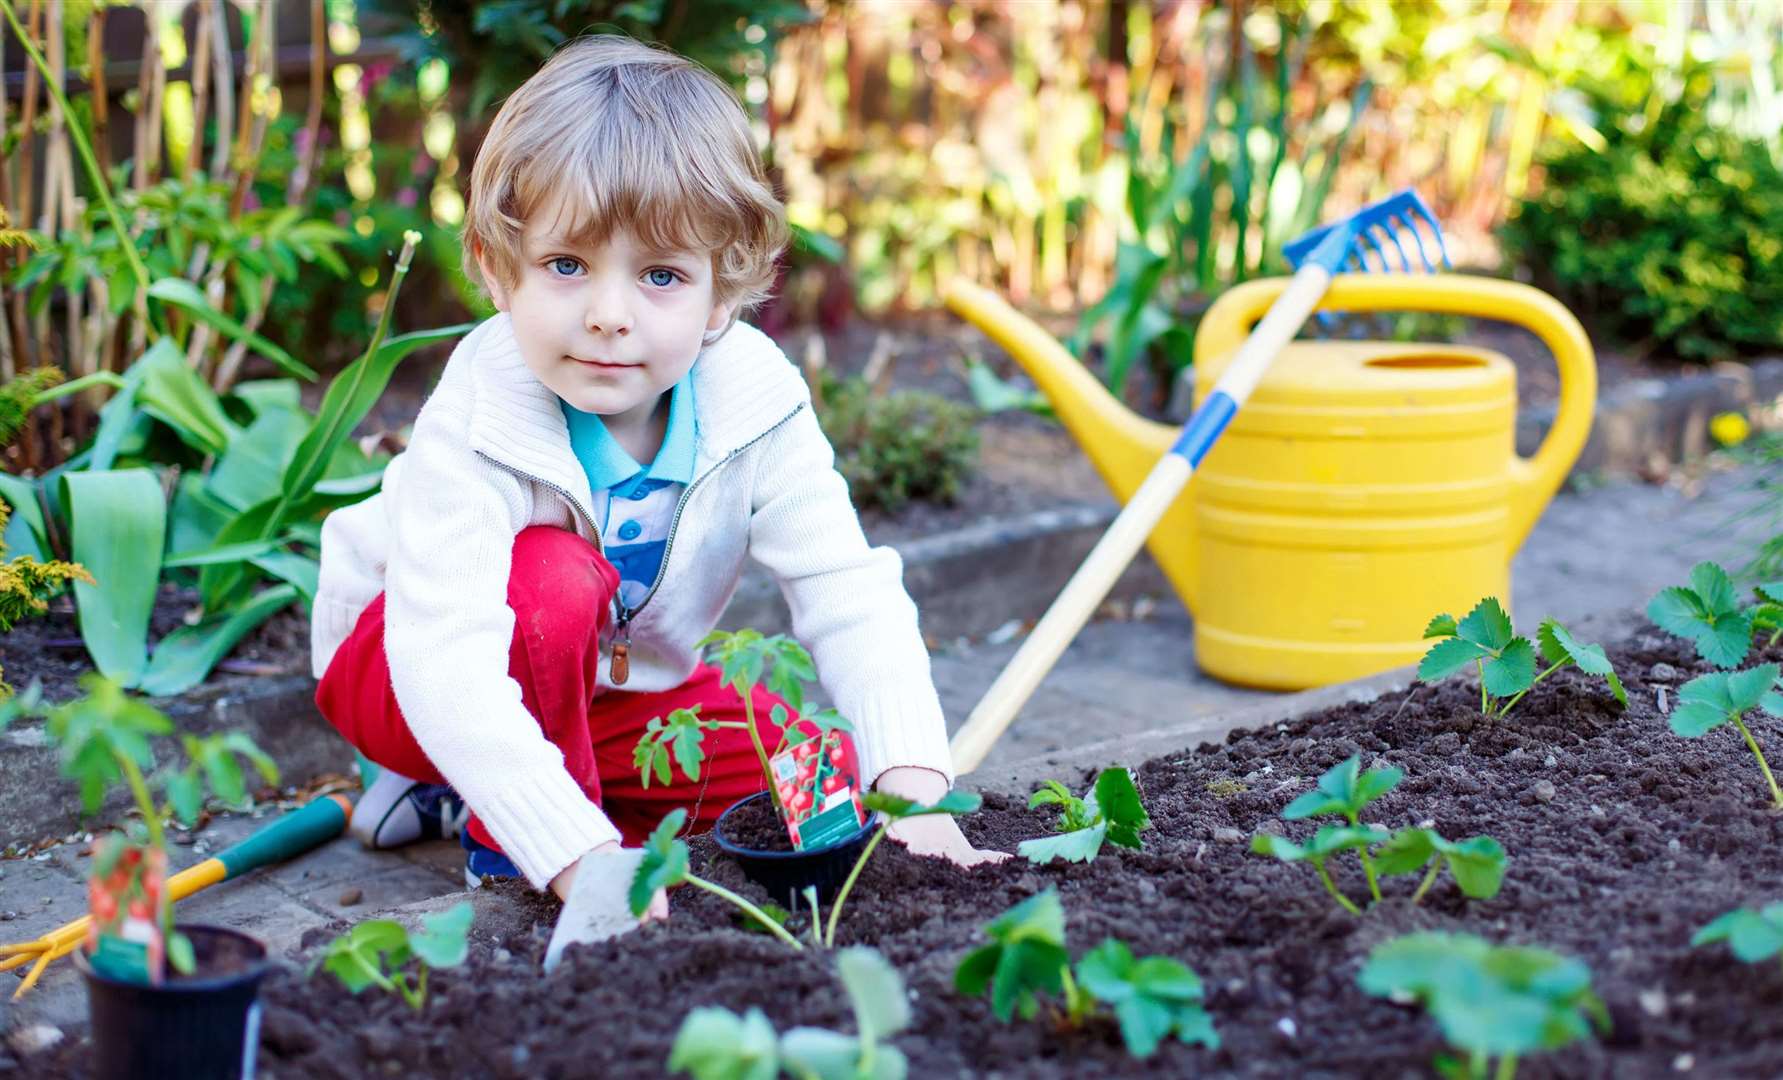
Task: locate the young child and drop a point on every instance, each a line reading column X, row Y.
column 575, row 504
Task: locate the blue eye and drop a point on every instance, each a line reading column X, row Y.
column 564, row 265
column 661, row 277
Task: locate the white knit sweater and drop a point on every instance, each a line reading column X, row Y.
column 490, row 455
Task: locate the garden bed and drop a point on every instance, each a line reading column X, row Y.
column 1623, row 839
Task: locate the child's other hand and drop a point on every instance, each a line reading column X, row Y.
column 931, row 834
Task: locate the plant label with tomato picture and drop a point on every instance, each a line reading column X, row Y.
column 127, row 896
column 818, row 781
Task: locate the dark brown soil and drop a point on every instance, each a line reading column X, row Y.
column 757, row 827
column 1643, row 838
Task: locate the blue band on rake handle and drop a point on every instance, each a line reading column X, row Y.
column 1203, row 428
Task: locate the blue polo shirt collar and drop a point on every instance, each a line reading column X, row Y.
column 608, row 465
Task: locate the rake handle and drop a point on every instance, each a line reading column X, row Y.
column 1115, row 550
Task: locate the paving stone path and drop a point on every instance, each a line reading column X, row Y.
column 1600, row 554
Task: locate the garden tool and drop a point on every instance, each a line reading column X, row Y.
column 292, row 834
column 1363, row 242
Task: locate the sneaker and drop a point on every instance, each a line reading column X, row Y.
column 396, row 810
column 482, row 862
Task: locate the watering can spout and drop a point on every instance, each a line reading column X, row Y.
column 1121, row 444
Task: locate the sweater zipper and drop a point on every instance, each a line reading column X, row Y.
column 620, row 668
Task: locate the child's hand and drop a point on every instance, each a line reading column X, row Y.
column 562, row 883
column 931, row 834
column 598, row 909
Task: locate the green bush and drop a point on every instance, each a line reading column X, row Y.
column 899, row 446
column 1670, row 234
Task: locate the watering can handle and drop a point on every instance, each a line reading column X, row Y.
column 1533, row 479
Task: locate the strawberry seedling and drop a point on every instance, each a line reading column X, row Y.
column 1767, row 614
column 717, row 1044
column 1152, row 997
column 1753, row 935
column 664, row 866
column 1477, row 862
column 1110, row 811
column 1725, row 697
column 1489, row 1000
column 1505, row 662
column 891, row 808
column 1341, row 792
column 1328, row 841
column 1708, row 613
column 386, row 954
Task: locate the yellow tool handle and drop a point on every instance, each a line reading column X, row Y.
column 1536, row 478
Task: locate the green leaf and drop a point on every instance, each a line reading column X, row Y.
column 1512, row 671
column 1713, row 587
column 188, row 297
column 186, row 795
column 1345, row 790
column 664, row 863
column 1753, row 935
column 184, row 657
column 1706, row 613
column 897, row 807
column 1447, row 657
column 364, row 955
column 813, row 1053
column 1118, row 803
column 1693, row 718
column 173, row 392
column 875, row 990
column 1477, row 863
column 1026, row 957
column 250, row 469
column 1486, row 625
column 1279, row 847
column 443, row 940
column 1151, row 998
column 180, row 954
column 117, row 522
column 1331, row 839
column 1406, row 852
column 1442, row 626
column 1081, row 845
column 1745, row 689
column 716, row 1044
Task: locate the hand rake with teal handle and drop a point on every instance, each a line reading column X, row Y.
column 1366, row 241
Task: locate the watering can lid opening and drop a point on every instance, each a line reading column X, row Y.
column 1360, row 372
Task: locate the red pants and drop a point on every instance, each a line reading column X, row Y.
column 560, row 588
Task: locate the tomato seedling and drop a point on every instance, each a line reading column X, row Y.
column 664, row 866
column 1753, row 934
column 1708, row 613
column 1725, row 697
column 717, row 1044
column 103, row 739
column 1110, row 811
column 1489, row 1000
column 745, row 658
column 386, row 954
column 1152, row 997
column 1477, row 862
column 1505, row 662
column 891, row 808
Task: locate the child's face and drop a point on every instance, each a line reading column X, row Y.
column 608, row 328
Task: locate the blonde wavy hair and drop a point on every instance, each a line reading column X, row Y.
column 617, row 133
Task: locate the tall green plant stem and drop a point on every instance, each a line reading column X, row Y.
column 1429, row 879
column 829, row 935
column 139, row 789
column 94, row 172
column 1764, row 767
column 1325, row 878
column 1512, row 703
column 1374, row 885
column 1507, row 1067
column 754, row 912
column 75, row 386
column 761, row 752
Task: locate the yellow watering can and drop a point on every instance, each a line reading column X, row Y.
column 1364, row 488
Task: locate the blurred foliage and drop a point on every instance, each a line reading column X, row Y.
column 898, row 446
column 1669, row 231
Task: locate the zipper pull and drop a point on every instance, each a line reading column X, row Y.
column 620, row 669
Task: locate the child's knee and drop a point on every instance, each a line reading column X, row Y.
column 556, row 573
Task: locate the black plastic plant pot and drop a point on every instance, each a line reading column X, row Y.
column 786, row 874
column 203, row 1026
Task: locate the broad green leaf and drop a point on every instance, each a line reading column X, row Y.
column 261, row 395
column 364, row 955
column 716, row 1044
column 299, row 571
column 1447, row 657
column 1405, row 852
column 1052, row 793
column 180, row 954
column 1693, row 718
column 173, row 393
column 229, row 553
column 1676, row 610
column 1331, row 839
column 186, row 795
column 250, row 469
column 876, row 992
column 1117, row 800
column 443, row 940
column 896, row 806
column 1512, row 671
column 1752, row 935
column 183, row 658
column 664, row 863
column 1707, row 613
column 1151, row 998
column 1745, row 689
column 188, row 297
column 349, row 398
column 117, row 522
column 1477, row 863
column 1713, row 587
column 120, row 414
column 24, row 528
column 1344, row 789
column 813, row 1053
column 1026, row 957
column 1279, row 847
column 1486, row 625
column 1080, row 845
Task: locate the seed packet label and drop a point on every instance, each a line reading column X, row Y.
column 127, row 898
column 818, row 781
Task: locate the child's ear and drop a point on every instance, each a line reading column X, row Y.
column 498, row 292
column 721, row 318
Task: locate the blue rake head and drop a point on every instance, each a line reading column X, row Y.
column 1347, row 244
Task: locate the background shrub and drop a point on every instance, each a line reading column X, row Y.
column 899, row 446
column 1671, row 233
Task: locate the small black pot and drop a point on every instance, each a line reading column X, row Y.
column 785, row 874
column 199, row 1027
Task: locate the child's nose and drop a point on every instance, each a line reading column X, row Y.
column 607, row 312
